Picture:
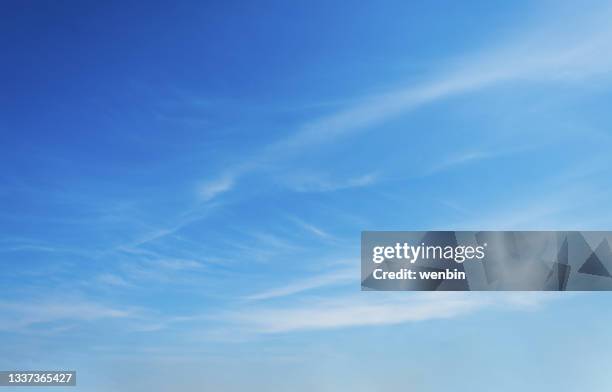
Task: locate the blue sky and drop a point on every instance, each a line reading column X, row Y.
column 184, row 186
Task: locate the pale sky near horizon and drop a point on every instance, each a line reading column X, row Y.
column 184, row 185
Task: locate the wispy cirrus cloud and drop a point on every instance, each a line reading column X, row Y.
column 316, row 182
column 162, row 269
column 210, row 189
column 464, row 158
column 334, row 278
column 546, row 53
column 20, row 315
column 112, row 280
column 310, row 227
column 377, row 309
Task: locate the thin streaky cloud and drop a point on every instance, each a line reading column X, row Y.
column 211, row 189
column 472, row 156
column 113, row 280
column 553, row 204
column 316, row 182
column 546, row 54
column 376, row 310
column 310, row 227
column 21, row 315
column 325, row 280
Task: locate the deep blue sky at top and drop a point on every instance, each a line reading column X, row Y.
column 106, row 58
column 110, row 91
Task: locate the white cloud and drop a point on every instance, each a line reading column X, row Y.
column 461, row 159
column 310, row 228
column 113, row 280
column 316, row 182
column 216, row 187
column 168, row 270
column 376, row 309
column 315, row 282
column 176, row 264
column 21, row 315
column 555, row 203
column 548, row 53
